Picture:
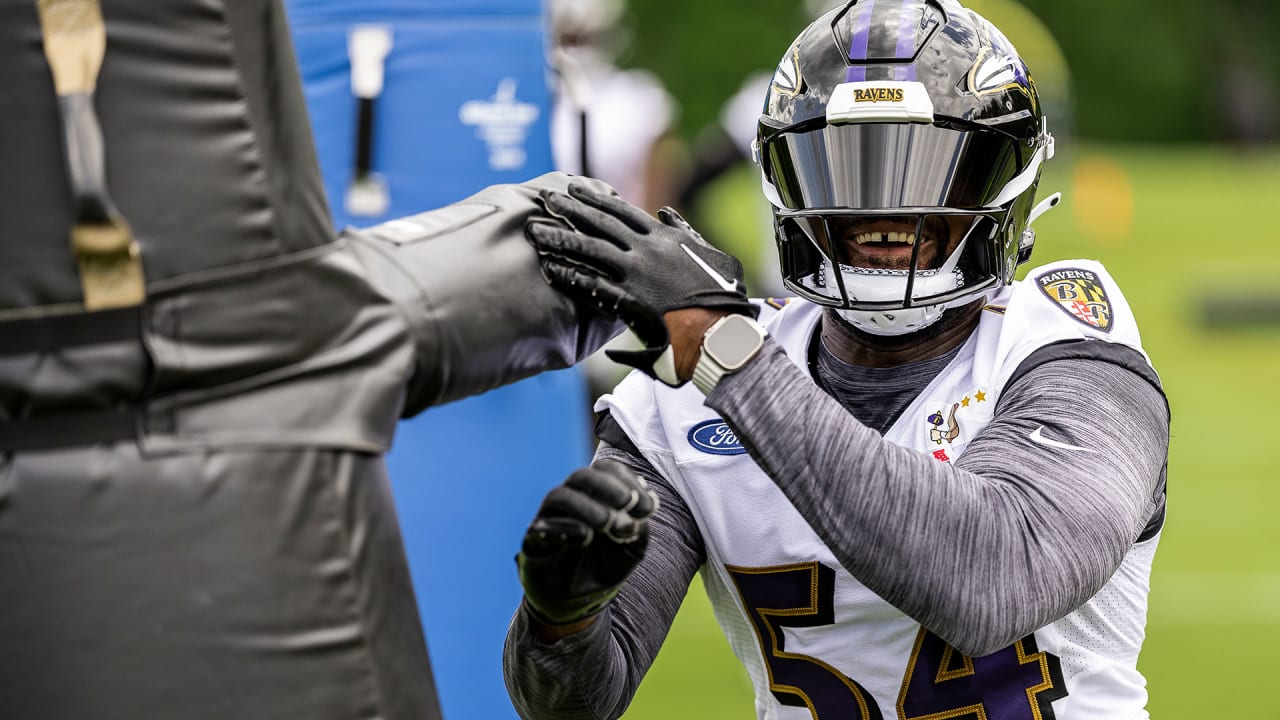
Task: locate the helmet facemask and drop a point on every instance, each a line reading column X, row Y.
column 889, row 273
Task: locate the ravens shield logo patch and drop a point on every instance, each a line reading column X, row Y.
column 1080, row 294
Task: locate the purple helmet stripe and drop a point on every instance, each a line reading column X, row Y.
column 907, row 39
column 861, row 35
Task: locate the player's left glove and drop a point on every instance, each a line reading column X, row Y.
column 586, row 539
column 619, row 258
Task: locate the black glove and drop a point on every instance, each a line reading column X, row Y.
column 619, row 258
column 587, row 537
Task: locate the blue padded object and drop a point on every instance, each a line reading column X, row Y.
column 302, row 12
column 464, row 105
column 459, row 110
column 468, row 478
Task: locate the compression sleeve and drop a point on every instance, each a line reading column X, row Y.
column 1012, row 537
column 593, row 674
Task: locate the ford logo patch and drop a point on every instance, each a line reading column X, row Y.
column 715, row 438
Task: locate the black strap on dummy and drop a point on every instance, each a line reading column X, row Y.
column 367, row 48
column 69, row 429
column 44, row 333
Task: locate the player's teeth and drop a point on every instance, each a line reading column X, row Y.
column 891, row 237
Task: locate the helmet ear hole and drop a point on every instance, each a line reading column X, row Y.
column 1026, row 245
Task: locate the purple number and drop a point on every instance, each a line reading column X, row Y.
column 801, row 595
column 1016, row 683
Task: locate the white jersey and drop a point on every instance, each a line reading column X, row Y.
column 819, row 644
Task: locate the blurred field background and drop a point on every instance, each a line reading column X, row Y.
column 1168, row 120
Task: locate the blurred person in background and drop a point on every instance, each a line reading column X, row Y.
column 921, row 490
column 726, row 144
column 628, row 116
column 720, row 156
column 198, row 378
column 609, row 123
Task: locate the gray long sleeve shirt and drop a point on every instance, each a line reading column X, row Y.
column 1012, row 520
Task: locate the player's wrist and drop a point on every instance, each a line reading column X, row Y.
column 548, row 631
column 686, row 328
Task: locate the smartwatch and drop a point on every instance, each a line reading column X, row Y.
column 727, row 345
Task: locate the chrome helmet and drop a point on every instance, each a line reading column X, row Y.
column 900, row 147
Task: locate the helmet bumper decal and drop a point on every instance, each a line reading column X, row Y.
column 883, row 101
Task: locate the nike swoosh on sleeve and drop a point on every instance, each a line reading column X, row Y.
column 1038, row 438
column 730, row 286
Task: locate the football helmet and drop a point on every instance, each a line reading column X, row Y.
column 900, row 147
column 583, row 21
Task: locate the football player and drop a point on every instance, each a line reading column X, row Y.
column 920, row 490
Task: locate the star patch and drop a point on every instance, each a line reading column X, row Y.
column 1080, row 294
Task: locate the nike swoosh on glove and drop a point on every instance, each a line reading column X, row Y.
column 619, row 258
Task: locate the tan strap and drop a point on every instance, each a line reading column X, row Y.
column 110, row 269
column 75, row 41
column 110, row 263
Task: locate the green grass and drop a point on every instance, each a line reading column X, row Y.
column 1203, row 221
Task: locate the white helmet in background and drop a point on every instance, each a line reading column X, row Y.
column 583, row 22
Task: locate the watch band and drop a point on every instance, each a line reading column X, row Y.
column 707, row 373
column 726, row 346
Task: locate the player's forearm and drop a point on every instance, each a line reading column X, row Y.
column 594, row 674
column 583, row 675
column 1007, row 541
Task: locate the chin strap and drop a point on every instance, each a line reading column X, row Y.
column 892, row 323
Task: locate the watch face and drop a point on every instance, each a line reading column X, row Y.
column 734, row 342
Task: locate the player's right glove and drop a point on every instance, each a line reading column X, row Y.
column 629, row 264
column 586, row 539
